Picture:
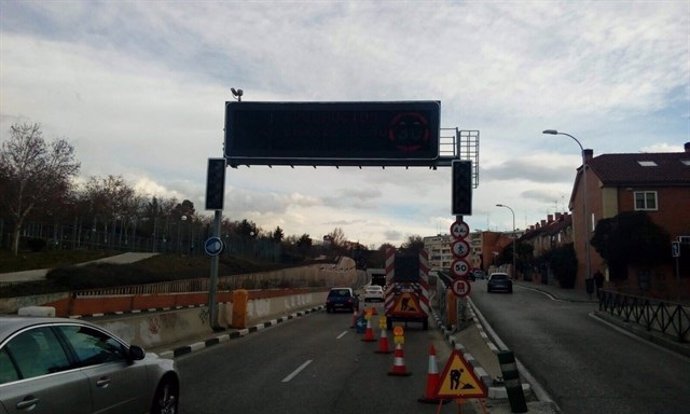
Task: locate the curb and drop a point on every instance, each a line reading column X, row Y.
column 138, row 311
column 495, row 392
column 556, row 296
column 450, row 338
column 234, row 334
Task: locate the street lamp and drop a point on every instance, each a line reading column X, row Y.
column 514, row 238
column 585, row 210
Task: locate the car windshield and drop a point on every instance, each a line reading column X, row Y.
column 499, row 277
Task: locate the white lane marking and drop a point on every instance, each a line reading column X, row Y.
column 548, row 295
column 341, row 335
column 539, row 390
column 297, row 371
column 637, row 338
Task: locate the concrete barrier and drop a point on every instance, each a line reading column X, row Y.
column 168, row 327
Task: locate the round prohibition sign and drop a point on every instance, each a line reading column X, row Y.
column 460, row 248
column 461, row 287
column 460, row 268
column 459, row 230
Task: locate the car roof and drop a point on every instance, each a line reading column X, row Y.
column 499, row 274
column 12, row 323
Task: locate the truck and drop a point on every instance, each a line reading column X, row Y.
column 407, row 287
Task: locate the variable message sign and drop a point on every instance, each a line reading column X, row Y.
column 332, row 133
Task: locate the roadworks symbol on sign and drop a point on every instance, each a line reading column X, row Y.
column 459, row 381
column 406, row 303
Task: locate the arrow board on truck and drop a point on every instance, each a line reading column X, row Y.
column 459, row 380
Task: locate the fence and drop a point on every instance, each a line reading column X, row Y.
column 173, row 238
column 316, row 275
column 667, row 317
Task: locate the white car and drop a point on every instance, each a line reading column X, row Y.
column 373, row 293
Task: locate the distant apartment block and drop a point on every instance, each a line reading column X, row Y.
column 438, row 248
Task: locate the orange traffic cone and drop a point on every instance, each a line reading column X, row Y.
column 369, row 333
column 354, row 318
column 383, row 343
column 433, row 380
column 399, row 363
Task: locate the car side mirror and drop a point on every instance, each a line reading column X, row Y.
column 135, row 353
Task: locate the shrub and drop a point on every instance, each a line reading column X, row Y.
column 563, row 262
column 101, row 275
column 36, row 244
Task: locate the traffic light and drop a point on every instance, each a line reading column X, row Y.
column 215, row 184
column 462, row 188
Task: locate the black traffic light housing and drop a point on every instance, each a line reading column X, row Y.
column 461, row 197
column 215, row 184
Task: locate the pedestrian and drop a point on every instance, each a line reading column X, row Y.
column 599, row 282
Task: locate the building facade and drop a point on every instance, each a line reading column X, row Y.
column 656, row 183
column 438, row 248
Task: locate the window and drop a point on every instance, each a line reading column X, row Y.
column 35, row 352
column 7, row 371
column 93, row 346
column 647, row 163
column 645, row 200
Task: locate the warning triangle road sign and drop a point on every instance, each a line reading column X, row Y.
column 459, row 380
column 406, row 303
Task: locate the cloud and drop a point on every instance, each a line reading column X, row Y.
column 391, row 236
column 139, row 88
column 538, row 168
column 662, row 147
column 147, row 187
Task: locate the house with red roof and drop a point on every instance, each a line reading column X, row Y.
column 656, row 183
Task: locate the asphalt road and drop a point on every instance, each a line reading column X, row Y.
column 586, row 366
column 314, row 364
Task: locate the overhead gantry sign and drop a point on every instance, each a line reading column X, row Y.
column 333, row 133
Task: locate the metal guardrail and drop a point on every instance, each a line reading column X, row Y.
column 667, row 317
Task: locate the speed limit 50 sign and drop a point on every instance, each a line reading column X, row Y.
column 460, row 268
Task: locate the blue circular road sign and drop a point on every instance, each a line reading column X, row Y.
column 213, row 246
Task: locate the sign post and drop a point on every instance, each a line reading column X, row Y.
column 460, row 268
column 675, row 252
column 216, row 248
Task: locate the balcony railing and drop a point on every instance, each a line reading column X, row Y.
column 667, row 317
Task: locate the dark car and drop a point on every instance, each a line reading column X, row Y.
column 342, row 298
column 499, row 282
column 479, row 274
column 56, row 365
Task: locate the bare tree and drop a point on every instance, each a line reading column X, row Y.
column 337, row 237
column 414, row 243
column 109, row 199
column 32, row 172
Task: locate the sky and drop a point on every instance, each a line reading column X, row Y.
column 139, row 88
